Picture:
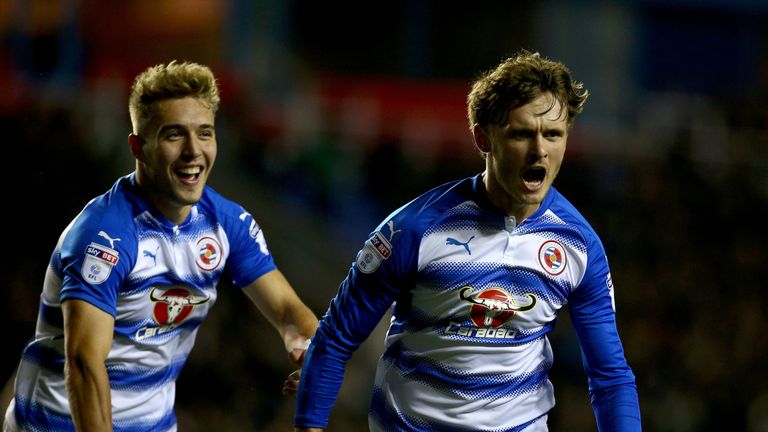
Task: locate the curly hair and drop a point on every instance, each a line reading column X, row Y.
column 517, row 81
column 171, row 81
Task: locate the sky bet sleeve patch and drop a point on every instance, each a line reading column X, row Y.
column 376, row 249
column 98, row 263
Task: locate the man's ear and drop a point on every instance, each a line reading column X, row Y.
column 135, row 143
column 482, row 141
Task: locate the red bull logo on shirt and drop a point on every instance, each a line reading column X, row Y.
column 171, row 308
column 490, row 310
column 494, row 307
column 174, row 305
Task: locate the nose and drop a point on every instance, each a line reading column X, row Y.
column 192, row 147
column 537, row 148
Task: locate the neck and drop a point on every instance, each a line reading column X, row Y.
column 505, row 202
column 175, row 213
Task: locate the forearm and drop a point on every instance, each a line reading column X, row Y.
column 321, row 378
column 89, row 395
column 351, row 317
column 88, row 338
column 282, row 307
column 617, row 408
column 297, row 326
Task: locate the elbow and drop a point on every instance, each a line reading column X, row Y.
column 79, row 369
column 75, row 369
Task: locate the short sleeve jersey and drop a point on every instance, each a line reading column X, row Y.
column 158, row 280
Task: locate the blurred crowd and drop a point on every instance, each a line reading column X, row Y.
column 677, row 189
column 685, row 238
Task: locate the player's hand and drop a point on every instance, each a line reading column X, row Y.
column 297, row 356
column 291, row 384
column 297, row 349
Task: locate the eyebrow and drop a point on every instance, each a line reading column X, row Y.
column 180, row 126
column 529, row 128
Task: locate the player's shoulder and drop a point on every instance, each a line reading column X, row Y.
column 430, row 206
column 223, row 210
column 215, row 203
column 113, row 210
column 566, row 211
column 107, row 219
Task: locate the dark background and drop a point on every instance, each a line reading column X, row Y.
column 335, row 113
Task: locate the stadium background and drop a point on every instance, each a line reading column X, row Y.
column 333, row 114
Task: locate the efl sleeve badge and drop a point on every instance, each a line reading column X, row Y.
column 98, row 263
column 375, row 250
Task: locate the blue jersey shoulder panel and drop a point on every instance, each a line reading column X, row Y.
column 98, row 249
column 249, row 256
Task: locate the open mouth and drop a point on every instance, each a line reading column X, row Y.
column 533, row 177
column 189, row 174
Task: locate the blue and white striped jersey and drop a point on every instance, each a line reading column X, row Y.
column 159, row 282
column 474, row 295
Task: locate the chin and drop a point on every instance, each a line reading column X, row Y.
column 534, row 198
column 189, row 198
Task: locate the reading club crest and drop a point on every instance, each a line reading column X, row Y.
column 552, row 257
column 208, row 254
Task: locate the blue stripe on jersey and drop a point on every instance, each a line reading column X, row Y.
column 462, row 383
column 395, row 421
column 163, row 424
column 128, row 329
column 137, row 379
column 55, row 264
column 36, row 418
column 51, row 315
column 418, row 320
column 33, row 417
column 119, row 378
column 125, row 327
column 135, row 285
column 554, row 228
column 443, row 276
column 466, row 218
column 45, row 356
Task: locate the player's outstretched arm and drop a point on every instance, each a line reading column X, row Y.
column 87, row 339
column 282, row 307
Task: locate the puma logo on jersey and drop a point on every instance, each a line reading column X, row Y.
column 453, row 242
column 109, row 239
column 148, row 254
column 392, row 230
